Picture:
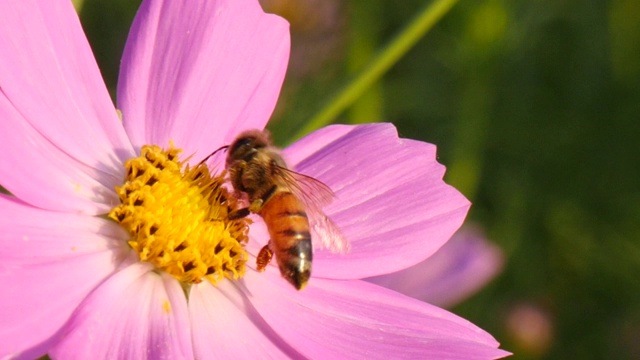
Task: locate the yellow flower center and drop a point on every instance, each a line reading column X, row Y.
column 178, row 218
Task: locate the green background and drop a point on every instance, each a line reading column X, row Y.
column 534, row 106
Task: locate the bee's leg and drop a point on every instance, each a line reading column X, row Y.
column 255, row 208
column 239, row 214
column 256, row 205
column 264, row 257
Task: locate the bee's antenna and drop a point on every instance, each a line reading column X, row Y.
column 213, row 153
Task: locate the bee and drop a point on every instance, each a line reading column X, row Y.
column 290, row 204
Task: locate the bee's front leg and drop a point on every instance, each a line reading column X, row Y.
column 239, row 214
column 256, row 205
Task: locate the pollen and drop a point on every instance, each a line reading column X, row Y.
column 178, row 218
column 166, row 307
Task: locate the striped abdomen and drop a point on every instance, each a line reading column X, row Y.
column 288, row 227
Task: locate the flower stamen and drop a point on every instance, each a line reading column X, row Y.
column 178, row 218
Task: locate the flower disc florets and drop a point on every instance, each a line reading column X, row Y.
column 178, row 218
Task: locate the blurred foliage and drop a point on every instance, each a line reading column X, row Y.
column 534, row 107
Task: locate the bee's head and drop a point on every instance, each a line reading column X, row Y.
column 246, row 145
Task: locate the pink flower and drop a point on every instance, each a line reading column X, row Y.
column 460, row 268
column 195, row 74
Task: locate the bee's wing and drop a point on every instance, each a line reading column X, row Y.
column 329, row 235
column 315, row 195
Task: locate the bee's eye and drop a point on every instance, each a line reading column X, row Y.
column 241, row 143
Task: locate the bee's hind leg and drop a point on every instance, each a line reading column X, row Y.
column 264, row 257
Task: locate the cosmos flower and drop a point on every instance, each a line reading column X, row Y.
column 116, row 243
column 460, row 268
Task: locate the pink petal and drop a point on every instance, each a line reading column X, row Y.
column 226, row 327
column 52, row 86
column 355, row 319
column 314, row 142
column 459, row 269
column 392, row 203
column 40, row 173
column 135, row 314
column 49, row 262
column 199, row 72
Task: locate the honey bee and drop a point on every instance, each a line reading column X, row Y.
column 289, row 202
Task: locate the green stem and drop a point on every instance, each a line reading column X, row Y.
column 390, row 55
column 364, row 41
